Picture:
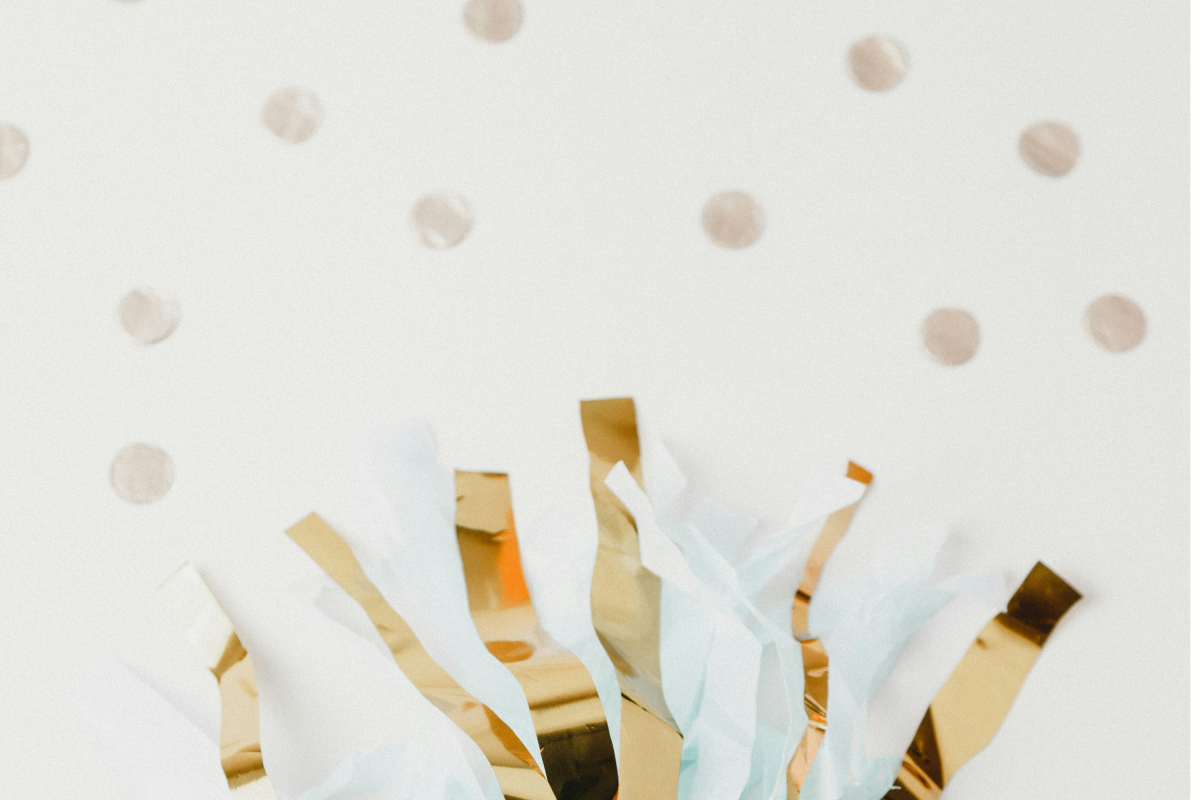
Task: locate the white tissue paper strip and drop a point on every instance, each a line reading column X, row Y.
column 397, row 514
column 153, row 750
column 864, row 623
column 440, row 757
column 558, row 554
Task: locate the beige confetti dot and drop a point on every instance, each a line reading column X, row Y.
column 877, row 63
column 1049, row 148
column 1116, row 323
column 148, row 316
column 442, row 219
column 951, row 336
column 14, row 150
column 141, row 473
column 293, row 114
column 493, row 20
column 733, row 219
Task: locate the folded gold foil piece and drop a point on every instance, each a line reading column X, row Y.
column 567, row 713
column 816, row 660
column 972, row 703
column 516, row 770
column 188, row 599
column 626, row 603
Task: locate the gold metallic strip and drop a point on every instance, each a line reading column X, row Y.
column 515, row 768
column 816, row 660
column 974, row 700
column 567, row 714
column 188, row 598
column 626, row 602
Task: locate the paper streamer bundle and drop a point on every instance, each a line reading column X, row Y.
column 707, row 660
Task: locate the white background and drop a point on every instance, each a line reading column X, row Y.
column 587, row 146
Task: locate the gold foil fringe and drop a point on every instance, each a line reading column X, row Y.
column 567, row 713
column 626, row 609
column 973, row 702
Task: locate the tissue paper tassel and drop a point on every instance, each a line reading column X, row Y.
column 626, row 600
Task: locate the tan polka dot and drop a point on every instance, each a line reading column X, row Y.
column 493, row 20
column 293, row 114
column 877, row 63
column 148, row 316
column 951, row 336
column 733, row 219
column 1049, row 148
column 14, row 150
column 442, row 220
column 1116, row 323
column 141, row 473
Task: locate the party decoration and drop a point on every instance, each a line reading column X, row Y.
column 721, row 665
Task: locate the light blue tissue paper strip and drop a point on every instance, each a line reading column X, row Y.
column 760, row 584
column 423, row 577
column 401, row 771
column 718, row 729
column 864, row 624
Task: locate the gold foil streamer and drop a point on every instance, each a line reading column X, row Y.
column 972, row 703
column 816, row 660
column 516, row 770
column 207, row 627
column 626, row 601
column 567, row 714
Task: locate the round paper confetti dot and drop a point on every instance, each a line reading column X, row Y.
column 1049, row 148
column 1116, row 323
column 877, row 63
column 293, row 114
column 148, row 316
column 442, row 220
column 141, row 473
column 951, row 336
column 493, row 20
column 14, row 150
column 733, row 219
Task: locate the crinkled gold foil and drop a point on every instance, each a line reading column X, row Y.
column 206, row 626
column 567, row 714
column 516, row 770
column 626, row 602
column 816, row 660
column 972, row 703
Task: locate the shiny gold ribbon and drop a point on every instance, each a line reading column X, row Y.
column 188, row 599
column 567, row 714
column 516, row 770
column 972, row 703
column 816, row 660
column 626, row 603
